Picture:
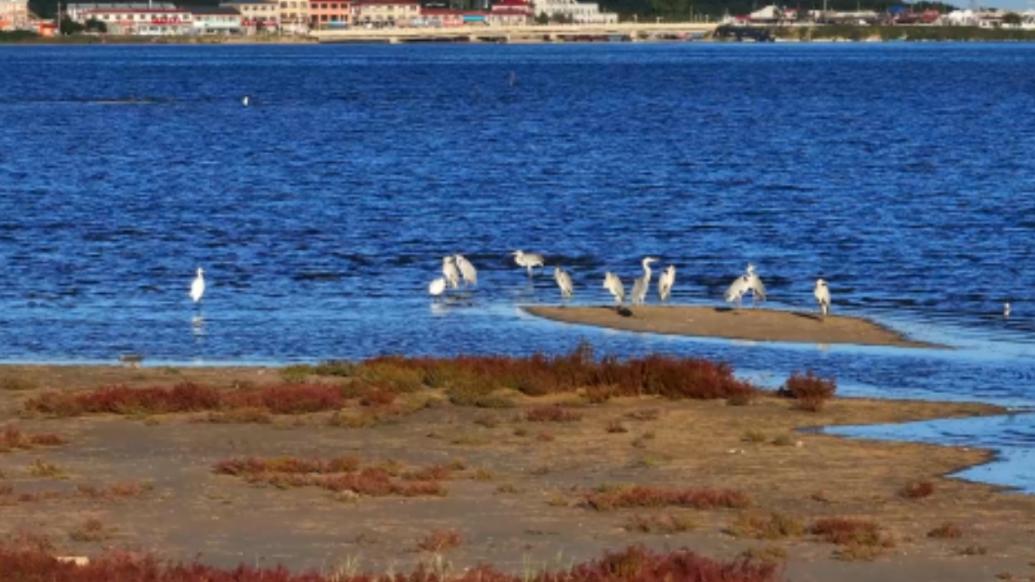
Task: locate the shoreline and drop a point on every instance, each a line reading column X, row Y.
column 528, row 478
column 745, row 324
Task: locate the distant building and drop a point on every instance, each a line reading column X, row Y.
column 329, row 13
column 511, row 13
column 294, row 16
column 256, row 15
column 385, row 13
column 222, row 20
column 14, row 15
column 134, row 18
column 441, row 17
column 574, row 12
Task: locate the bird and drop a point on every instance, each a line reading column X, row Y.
column 642, row 283
column 749, row 281
column 1006, row 310
column 246, row 101
column 822, row 295
column 666, row 281
column 528, row 260
column 614, row 285
column 564, row 282
column 467, row 270
column 197, row 287
column 437, row 287
column 450, row 272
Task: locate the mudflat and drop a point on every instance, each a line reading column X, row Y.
column 516, row 485
column 744, row 324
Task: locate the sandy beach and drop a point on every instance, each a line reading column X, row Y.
column 744, row 324
column 151, row 480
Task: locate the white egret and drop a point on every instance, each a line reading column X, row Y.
column 642, row 284
column 246, row 101
column 755, row 285
column 467, row 270
column 528, row 260
column 1006, row 310
column 749, row 281
column 666, row 281
column 564, row 282
column 197, row 287
column 822, row 295
column 614, row 286
column 450, row 272
column 437, row 287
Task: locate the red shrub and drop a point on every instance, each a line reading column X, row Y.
column 810, row 391
column 551, row 414
column 301, row 398
column 845, row 531
column 341, row 474
column 917, row 490
column 947, row 530
column 440, row 540
column 645, row 496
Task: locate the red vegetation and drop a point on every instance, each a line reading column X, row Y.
column 338, row 475
column 917, row 490
column 810, row 391
column 844, row 531
column 537, row 375
column 551, row 414
column 188, row 397
column 33, row 561
column 440, row 540
column 117, row 490
column 12, row 438
column 947, row 530
column 645, row 496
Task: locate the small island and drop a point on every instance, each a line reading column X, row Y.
column 723, row 322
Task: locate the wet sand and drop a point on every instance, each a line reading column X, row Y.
column 743, row 324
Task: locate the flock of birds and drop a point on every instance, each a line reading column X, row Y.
column 458, row 271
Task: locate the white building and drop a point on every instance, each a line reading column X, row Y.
column 134, row 18
column 14, row 15
column 256, row 15
column 216, row 20
column 575, row 12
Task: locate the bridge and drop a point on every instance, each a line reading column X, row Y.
column 624, row 31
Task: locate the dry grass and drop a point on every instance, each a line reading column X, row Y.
column 849, row 532
column 339, row 475
column 773, row 526
column 91, row 530
column 946, row 531
column 44, row 470
column 665, row 523
column 552, row 413
column 12, row 438
column 33, row 560
column 611, row 498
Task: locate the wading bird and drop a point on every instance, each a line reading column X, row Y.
column 748, row 282
column 564, row 282
column 450, row 272
column 822, row 295
column 437, row 287
column 197, row 287
column 246, row 101
column 467, row 270
column 1006, row 310
column 528, row 260
column 614, row 286
column 642, row 284
column 665, row 283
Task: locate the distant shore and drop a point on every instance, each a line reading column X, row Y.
column 797, row 34
column 743, row 324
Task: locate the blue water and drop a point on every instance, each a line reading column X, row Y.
column 905, row 175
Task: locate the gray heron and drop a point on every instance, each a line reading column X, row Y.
column 642, row 284
column 467, row 270
column 614, row 286
column 665, row 283
column 528, row 260
column 822, row 295
column 564, row 282
column 450, row 272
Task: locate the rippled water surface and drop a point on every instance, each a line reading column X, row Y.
column 905, row 175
